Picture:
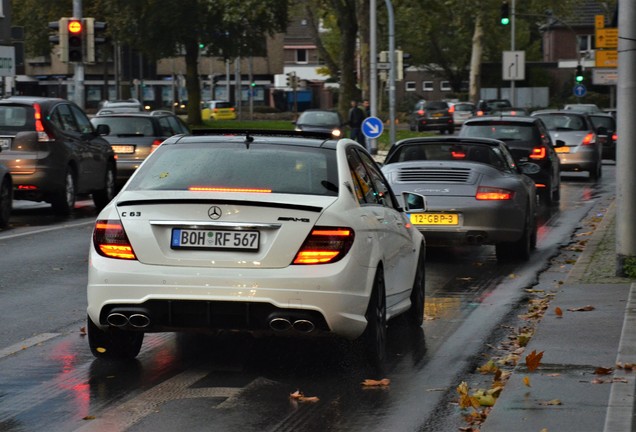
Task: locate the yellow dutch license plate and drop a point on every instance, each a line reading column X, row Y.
column 563, row 149
column 434, row 219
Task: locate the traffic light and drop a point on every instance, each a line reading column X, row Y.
column 93, row 35
column 60, row 37
column 579, row 74
column 75, row 40
column 291, row 79
column 505, row 14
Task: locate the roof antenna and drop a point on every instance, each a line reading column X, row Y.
column 248, row 140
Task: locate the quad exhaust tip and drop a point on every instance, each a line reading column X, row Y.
column 280, row 324
column 121, row 319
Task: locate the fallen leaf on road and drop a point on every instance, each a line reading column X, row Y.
column 582, row 309
column 558, row 312
column 551, row 402
column 376, row 383
column 526, row 381
column 626, row 366
column 533, row 359
column 83, row 331
column 88, row 417
column 603, row 371
column 300, row 397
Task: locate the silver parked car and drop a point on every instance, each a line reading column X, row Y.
column 583, row 149
column 475, row 193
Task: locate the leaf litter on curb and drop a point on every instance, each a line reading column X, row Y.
column 300, row 397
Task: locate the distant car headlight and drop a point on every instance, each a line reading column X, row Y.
column 336, row 132
column 298, row 129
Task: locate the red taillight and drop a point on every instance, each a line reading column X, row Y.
column 421, row 112
column 538, row 153
column 479, row 113
column 110, row 240
column 614, row 137
column 451, row 109
column 589, row 139
column 486, row 193
column 458, row 154
column 232, row 109
column 156, row 143
column 325, row 245
column 39, row 127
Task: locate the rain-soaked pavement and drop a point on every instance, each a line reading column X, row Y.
column 233, row 381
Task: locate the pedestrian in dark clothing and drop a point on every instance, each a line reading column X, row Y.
column 356, row 117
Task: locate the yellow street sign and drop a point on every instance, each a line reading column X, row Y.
column 599, row 21
column 606, row 58
column 607, row 38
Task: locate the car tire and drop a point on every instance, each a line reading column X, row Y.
column 113, row 343
column 6, row 202
column 415, row 314
column 451, row 131
column 63, row 201
column 597, row 172
column 105, row 195
column 521, row 249
column 374, row 337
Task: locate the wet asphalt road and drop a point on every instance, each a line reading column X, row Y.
column 50, row 381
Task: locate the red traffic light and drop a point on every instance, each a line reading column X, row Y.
column 74, row 26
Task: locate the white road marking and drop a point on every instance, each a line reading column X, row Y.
column 27, row 343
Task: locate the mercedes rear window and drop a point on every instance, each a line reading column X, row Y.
column 235, row 167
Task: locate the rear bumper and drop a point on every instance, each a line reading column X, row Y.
column 333, row 297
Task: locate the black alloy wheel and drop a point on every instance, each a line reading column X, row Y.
column 374, row 336
column 415, row 314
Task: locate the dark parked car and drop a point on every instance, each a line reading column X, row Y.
column 6, row 196
column 432, row 115
column 54, row 153
column 487, row 106
column 529, row 141
column 317, row 120
column 582, row 150
column 605, row 125
column 133, row 136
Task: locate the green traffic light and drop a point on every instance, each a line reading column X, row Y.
column 579, row 78
column 505, row 21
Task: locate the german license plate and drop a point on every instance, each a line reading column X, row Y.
column 214, row 239
column 117, row 148
column 434, row 219
column 5, row 143
column 437, row 115
column 563, row 149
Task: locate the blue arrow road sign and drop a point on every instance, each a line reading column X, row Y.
column 372, row 127
column 579, row 90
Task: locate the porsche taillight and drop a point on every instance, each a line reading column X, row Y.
column 325, row 245
column 538, row 153
column 589, row 139
column 486, row 193
column 110, row 240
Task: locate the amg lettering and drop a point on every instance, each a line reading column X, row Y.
column 293, row 219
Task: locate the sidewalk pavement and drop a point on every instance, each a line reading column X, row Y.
column 566, row 393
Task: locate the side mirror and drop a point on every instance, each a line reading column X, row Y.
column 413, row 202
column 103, row 129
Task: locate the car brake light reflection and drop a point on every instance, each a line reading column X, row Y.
column 110, row 240
column 325, row 245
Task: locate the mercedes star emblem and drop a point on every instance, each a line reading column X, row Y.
column 214, row 212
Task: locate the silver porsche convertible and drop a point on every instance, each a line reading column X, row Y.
column 476, row 193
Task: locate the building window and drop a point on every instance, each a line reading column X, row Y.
column 445, row 86
column 586, row 42
column 301, row 56
column 427, row 85
column 410, row 86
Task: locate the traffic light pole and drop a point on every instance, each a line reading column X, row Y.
column 513, row 99
column 79, row 66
